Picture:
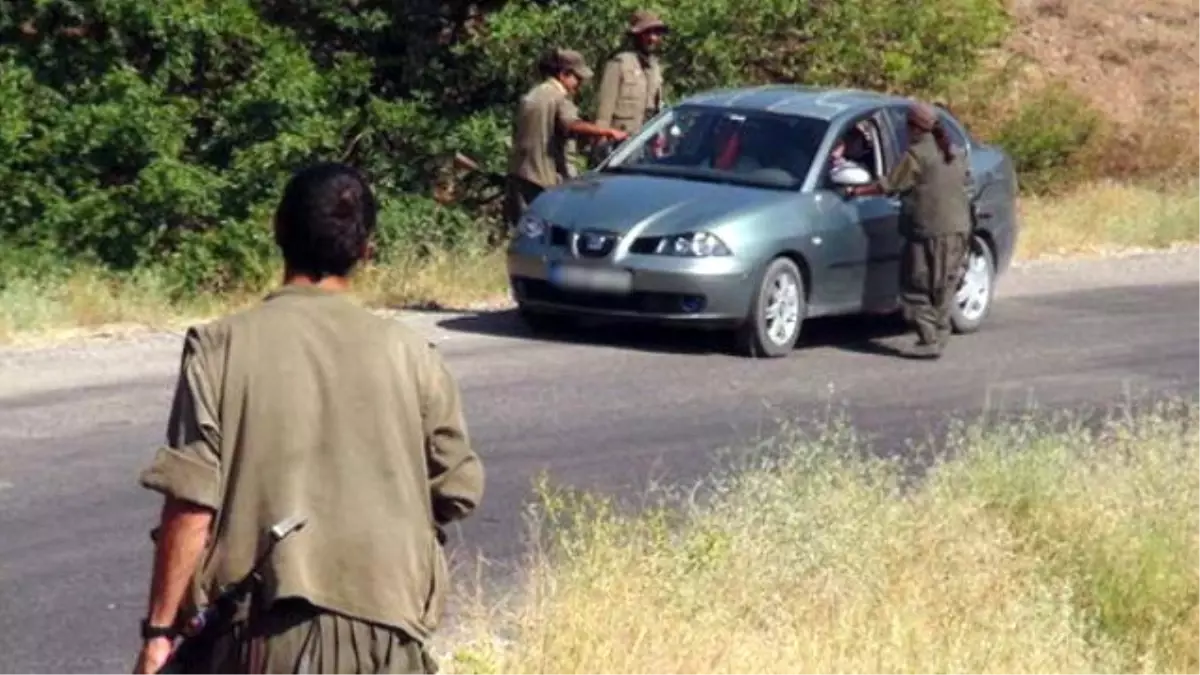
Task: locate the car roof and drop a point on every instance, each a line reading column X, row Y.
column 825, row 103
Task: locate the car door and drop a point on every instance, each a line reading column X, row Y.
column 879, row 219
column 859, row 237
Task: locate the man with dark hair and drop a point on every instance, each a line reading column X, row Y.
column 546, row 119
column 310, row 406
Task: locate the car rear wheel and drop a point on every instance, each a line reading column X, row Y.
column 973, row 299
column 775, row 319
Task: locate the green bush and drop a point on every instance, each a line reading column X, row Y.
column 1049, row 131
column 158, row 134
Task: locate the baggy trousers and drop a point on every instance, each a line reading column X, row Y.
column 518, row 194
column 294, row 636
column 930, row 270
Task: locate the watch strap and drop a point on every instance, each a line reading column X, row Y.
column 150, row 632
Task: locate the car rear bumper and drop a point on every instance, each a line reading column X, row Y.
column 662, row 290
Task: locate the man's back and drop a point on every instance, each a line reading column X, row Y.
column 939, row 201
column 325, row 411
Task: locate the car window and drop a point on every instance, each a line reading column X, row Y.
column 898, row 117
column 858, row 143
column 718, row 144
column 953, row 131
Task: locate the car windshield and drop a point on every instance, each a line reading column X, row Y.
column 722, row 145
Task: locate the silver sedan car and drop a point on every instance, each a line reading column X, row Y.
column 728, row 211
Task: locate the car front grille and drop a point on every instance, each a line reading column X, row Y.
column 639, row 301
column 595, row 244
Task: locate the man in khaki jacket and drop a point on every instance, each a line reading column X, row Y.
column 631, row 86
column 310, row 406
column 546, row 119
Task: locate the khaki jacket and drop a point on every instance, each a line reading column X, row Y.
column 631, row 92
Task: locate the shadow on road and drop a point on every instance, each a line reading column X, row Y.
column 860, row 334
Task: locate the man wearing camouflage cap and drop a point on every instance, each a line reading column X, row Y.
column 631, row 86
column 546, row 120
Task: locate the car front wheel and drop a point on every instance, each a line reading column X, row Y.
column 773, row 326
column 973, row 299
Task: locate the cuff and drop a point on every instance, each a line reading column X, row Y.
column 180, row 475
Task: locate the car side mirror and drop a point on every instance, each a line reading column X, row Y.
column 850, row 175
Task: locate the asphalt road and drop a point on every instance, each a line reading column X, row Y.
column 613, row 411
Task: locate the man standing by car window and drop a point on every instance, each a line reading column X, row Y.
column 309, row 406
column 935, row 218
column 631, row 86
column 546, row 119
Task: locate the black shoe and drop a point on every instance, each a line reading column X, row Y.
column 926, row 350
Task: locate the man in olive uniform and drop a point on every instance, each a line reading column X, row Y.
column 935, row 218
column 546, row 118
column 631, row 86
column 310, row 406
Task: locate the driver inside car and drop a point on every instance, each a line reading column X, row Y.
column 853, row 147
column 751, row 146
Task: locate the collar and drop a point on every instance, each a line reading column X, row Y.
column 301, row 290
column 554, row 81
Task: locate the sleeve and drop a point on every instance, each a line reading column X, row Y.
column 188, row 467
column 606, row 98
column 455, row 471
column 903, row 176
column 566, row 113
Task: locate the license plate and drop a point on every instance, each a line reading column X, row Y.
column 596, row 280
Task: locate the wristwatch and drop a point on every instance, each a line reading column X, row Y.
column 150, row 632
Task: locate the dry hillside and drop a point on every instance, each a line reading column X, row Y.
column 1134, row 60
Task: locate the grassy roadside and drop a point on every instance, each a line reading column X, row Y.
column 1097, row 219
column 1036, row 548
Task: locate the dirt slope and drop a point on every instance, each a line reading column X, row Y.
column 1132, row 58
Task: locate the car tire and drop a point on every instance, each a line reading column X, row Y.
column 782, row 283
column 976, row 289
column 545, row 322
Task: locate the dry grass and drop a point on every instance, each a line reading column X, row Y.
column 1108, row 217
column 1100, row 218
column 92, row 301
column 1135, row 62
column 1031, row 551
column 1130, row 59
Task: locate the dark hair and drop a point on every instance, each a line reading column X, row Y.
column 943, row 141
column 324, row 220
column 549, row 64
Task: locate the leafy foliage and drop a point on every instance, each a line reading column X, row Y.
column 1047, row 133
column 137, row 134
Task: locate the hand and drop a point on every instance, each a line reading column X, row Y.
column 617, row 135
column 153, row 655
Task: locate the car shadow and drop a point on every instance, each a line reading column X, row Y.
column 596, row 332
column 863, row 334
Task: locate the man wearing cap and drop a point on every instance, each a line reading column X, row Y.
column 631, row 86
column 546, row 119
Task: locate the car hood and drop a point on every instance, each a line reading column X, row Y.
column 649, row 204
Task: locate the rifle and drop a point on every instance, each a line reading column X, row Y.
column 199, row 632
column 464, row 162
column 492, row 178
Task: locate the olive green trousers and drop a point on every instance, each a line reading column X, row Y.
column 297, row 637
column 930, row 270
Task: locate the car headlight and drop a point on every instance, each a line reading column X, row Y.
column 693, row 244
column 531, row 226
